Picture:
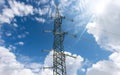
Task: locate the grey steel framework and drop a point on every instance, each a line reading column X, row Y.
column 59, row 65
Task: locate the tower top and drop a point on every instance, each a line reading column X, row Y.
column 57, row 12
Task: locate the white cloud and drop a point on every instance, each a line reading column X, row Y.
column 11, row 47
column 106, row 67
column 76, row 10
column 20, row 43
column 73, row 65
column 74, row 7
column 105, row 28
column 40, row 19
column 35, row 67
column 16, row 9
column 65, row 3
column 9, row 64
column 15, row 25
column 21, row 36
column 8, row 34
column 96, row 7
column 52, row 2
column 20, row 9
column 43, row 11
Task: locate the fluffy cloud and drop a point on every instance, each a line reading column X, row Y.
column 11, row 47
column 16, row 9
column 21, row 36
column 8, row 14
column 20, row 43
column 40, row 19
column 76, row 10
column 9, row 65
column 105, row 28
column 106, row 67
column 42, row 11
column 73, row 65
column 20, row 9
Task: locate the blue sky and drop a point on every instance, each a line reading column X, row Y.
column 22, row 25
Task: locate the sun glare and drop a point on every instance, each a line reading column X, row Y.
column 100, row 6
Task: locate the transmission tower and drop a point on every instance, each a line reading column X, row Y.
column 59, row 66
column 59, row 57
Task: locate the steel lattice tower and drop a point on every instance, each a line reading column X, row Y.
column 59, row 65
column 59, row 57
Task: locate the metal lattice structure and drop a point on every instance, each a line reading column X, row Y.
column 59, row 65
column 59, row 57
